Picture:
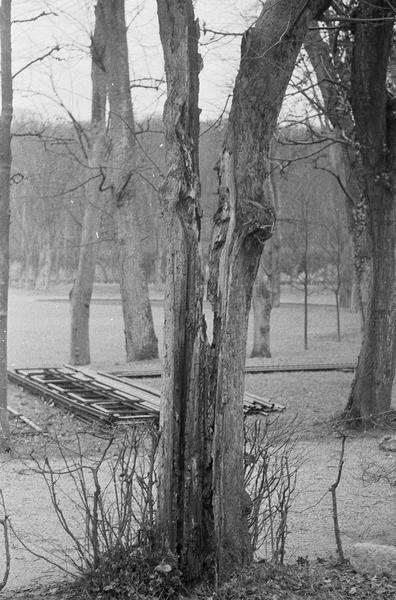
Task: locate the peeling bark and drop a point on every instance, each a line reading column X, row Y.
column 185, row 510
column 83, row 284
column 5, row 167
column 140, row 339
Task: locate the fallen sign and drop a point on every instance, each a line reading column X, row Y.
column 98, row 396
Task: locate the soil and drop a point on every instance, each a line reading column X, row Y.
column 39, row 337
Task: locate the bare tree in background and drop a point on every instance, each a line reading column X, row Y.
column 332, row 70
column 203, row 506
column 83, row 284
column 140, row 338
column 374, row 109
column 5, row 168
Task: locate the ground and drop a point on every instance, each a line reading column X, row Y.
column 39, row 337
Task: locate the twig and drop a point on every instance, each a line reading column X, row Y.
column 21, row 417
column 36, row 60
column 4, row 524
column 36, row 18
column 333, row 491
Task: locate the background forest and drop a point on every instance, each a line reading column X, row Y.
column 49, row 198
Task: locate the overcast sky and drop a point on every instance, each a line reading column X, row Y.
column 67, row 76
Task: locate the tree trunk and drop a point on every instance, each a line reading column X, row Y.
column 374, row 111
column 43, row 272
column 185, row 509
column 262, row 306
column 140, row 339
column 266, row 289
column 347, row 166
column 203, row 507
column 5, row 167
column 275, row 246
column 83, row 284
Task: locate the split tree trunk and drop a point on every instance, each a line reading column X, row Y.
column 185, row 487
column 83, row 284
column 5, row 167
column 375, row 115
column 203, row 507
column 140, row 339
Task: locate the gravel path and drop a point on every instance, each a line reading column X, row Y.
column 39, row 337
column 365, row 512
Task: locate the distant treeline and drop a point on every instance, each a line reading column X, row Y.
column 49, row 179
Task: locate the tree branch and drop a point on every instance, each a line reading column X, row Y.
column 36, row 18
column 4, row 524
column 38, row 59
column 333, row 491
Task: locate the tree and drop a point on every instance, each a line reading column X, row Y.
column 266, row 292
column 83, row 284
column 203, row 506
column 5, row 168
column 374, row 109
column 140, row 339
column 336, row 249
column 332, row 71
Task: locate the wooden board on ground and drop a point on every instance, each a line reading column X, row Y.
column 157, row 371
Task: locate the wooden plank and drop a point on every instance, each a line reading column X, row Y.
column 147, row 396
column 26, row 420
column 157, row 371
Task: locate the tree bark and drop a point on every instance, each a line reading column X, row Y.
column 203, row 506
column 140, row 339
column 266, row 290
column 5, row 167
column 83, row 284
column 262, row 306
column 375, row 115
column 185, row 510
column 275, row 247
column 244, row 220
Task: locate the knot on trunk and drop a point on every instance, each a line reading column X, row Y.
column 256, row 220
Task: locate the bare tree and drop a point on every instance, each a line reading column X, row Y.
column 203, row 506
column 140, row 338
column 5, row 167
column 374, row 109
column 332, row 71
column 83, row 284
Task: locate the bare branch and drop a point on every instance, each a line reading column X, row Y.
column 36, row 18
column 5, row 525
column 36, row 60
column 333, row 491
